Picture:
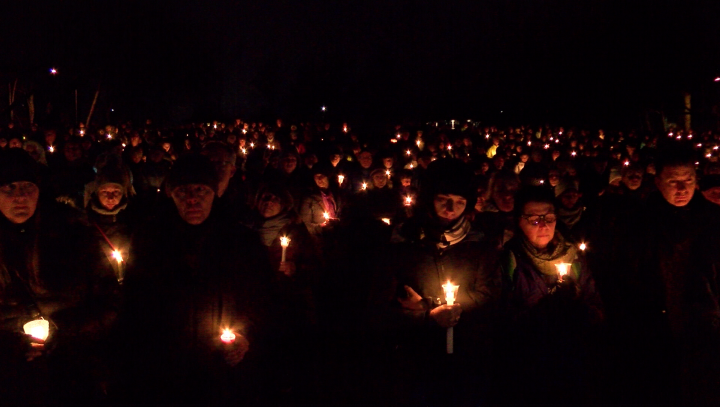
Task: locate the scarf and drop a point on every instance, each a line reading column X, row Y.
column 569, row 217
column 557, row 251
column 270, row 228
column 329, row 204
column 448, row 236
column 103, row 211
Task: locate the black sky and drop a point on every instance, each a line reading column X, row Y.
column 583, row 61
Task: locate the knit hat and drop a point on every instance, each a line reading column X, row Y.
column 192, row 169
column 566, row 184
column 17, row 165
column 448, row 176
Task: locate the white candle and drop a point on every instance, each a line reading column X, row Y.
column 119, row 258
column 284, row 242
column 341, row 178
column 450, row 296
column 364, row 186
column 408, row 200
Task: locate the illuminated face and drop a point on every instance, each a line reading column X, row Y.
column 504, row 196
column 570, row 198
column 193, row 202
column 322, row 181
column 18, row 201
column 72, row 151
column 270, row 205
column 406, row 182
column 538, row 232
column 379, row 180
column 335, row 160
column 632, row 180
column 449, row 207
column 110, row 195
column 677, row 184
column 289, row 164
column 388, row 162
column 554, row 178
column 365, row 159
column 15, row 143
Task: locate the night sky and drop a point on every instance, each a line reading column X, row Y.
column 565, row 62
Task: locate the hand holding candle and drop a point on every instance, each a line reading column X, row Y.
column 234, row 346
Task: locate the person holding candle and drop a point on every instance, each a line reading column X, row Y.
column 437, row 245
column 193, row 274
column 47, row 260
column 106, row 203
column 320, row 208
column 550, row 301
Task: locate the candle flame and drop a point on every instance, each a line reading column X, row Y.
column 573, row 154
column 562, row 269
column 326, row 215
column 392, row 140
column 117, row 256
column 449, row 147
column 408, row 152
column 529, row 143
column 626, row 163
column 418, row 143
column 227, row 336
column 364, row 186
column 450, row 292
column 341, row 178
column 386, row 220
column 583, row 246
column 39, row 329
column 285, row 241
column 252, row 145
column 408, row 200
column 51, row 149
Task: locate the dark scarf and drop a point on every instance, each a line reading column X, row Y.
column 570, row 217
column 270, row 228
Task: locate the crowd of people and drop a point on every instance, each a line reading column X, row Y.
column 257, row 263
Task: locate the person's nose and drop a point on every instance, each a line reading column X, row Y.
column 449, row 206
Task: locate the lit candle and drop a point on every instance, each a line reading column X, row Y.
column 244, row 131
column 252, row 145
column 386, row 220
column 547, row 146
column 392, row 140
column 284, row 242
column 408, row 200
column 364, row 186
column 529, row 143
column 227, row 336
column 38, row 329
column 398, row 135
column 326, row 215
column 387, row 172
column 583, row 246
column 119, row 258
column 562, row 270
column 408, row 152
column 449, row 147
column 573, row 154
column 418, row 142
column 626, row 163
column 243, row 150
column 51, row 149
column 345, row 129
column 450, row 296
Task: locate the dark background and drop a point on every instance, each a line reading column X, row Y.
column 583, row 62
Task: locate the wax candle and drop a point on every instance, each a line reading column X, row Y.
column 450, row 297
column 284, row 242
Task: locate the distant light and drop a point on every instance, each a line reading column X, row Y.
column 717, row 79
column 112, row 110
column 53, row 71
column 323, row 108
column 501, row 111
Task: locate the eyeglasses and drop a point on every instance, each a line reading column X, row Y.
column 535, row 220
column 192, row 191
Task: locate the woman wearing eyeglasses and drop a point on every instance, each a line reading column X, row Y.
column 550, row 302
